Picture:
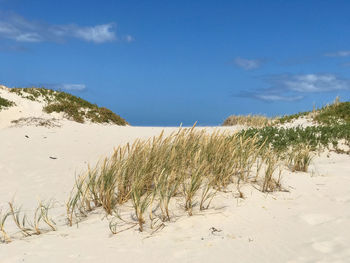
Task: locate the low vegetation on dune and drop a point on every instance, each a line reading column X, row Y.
column 335, row 113
column 4, row 103
column 289, row 118
column 73, row 107
column 315, row 137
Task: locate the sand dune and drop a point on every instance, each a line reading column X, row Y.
column 308, row 223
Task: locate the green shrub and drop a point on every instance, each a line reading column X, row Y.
column 281, row 139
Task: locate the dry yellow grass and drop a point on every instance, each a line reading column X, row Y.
column 248, row 120
column 189, row 164
column 300, row 158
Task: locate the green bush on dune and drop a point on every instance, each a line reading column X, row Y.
column 73, row 107
column 314, row 136
column 334, row 114
column 332, row 124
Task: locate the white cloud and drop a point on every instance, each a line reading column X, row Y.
column 28, row 37
column 70, row 87
column 290, row 87
column 314, row 83
column 65, row 86
column 247, row 64
column 97, row 34
column 272, row 97
column 19, row 29
column 342, row 53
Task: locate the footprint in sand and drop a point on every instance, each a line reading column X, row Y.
column 316, row 219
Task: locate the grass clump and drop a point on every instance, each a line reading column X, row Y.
column 73, row 107
column 270, row 184
column 188, row 167
column 27, row 227
column 248, row 120
column 4, row 103
column 300, row 158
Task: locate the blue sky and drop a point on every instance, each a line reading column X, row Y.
column 171, row 62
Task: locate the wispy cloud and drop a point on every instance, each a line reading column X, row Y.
column 274, row 97
column 247, row 64
column 311, row 83
column 288, row 87
column 269, row 95
column 96, row 34
column 341, row 53
column 67, row 87
column 19, row 29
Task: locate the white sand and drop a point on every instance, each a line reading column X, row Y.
column 311, row 223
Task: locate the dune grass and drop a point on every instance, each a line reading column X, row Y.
column 300, row 158
column 189, row 165
column 4, row 103
column 73, row 107
column 25, row 226
column 248, row 120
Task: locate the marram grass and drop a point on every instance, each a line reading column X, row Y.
column 22, row 222
column 248, row 120
column 189, row 165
